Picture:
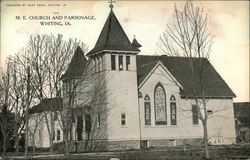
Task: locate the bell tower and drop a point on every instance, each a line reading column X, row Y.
column 114, row 56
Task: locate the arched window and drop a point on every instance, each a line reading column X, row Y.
column 173, row 110
column 160, row 105
column 147, row 110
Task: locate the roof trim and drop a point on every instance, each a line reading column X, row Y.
column 152, row 71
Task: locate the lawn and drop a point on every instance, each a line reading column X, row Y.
column 217, row 152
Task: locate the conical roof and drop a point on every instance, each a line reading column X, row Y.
column 112, row 37
column 77, row 65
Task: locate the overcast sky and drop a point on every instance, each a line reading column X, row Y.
column 228, row 22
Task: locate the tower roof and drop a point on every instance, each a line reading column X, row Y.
column 112, row 37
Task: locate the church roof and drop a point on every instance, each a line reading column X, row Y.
column 47, row 104
column 215, row 86
column 112, row 37
column 76, row 66
column 242, row 113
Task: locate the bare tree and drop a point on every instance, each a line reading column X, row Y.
column 188, row 36
column 6, row 121
column 48, row 57
column 36, row 119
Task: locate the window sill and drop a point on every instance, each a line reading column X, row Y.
column 161, row 126
column 196, row 125
column 124, row 127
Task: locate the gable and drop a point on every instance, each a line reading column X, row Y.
column 161, row 72
column 215, row 86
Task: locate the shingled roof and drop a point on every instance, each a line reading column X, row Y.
column 242, row 113
column 47, row 104
column 179, row 67
column 112, row 37
column 76, row 66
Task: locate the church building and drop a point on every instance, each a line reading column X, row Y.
column 130, row 100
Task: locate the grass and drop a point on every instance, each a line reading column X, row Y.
column 166, row 153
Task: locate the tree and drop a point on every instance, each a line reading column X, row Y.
column 188, row 36
column 6, row 117
column 36, row 119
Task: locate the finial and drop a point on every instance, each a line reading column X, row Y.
column 111, row 6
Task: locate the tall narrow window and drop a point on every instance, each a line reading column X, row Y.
column 173, row 110
column 39, row 134
column 98, row 120
column 160, row 105
column 127, row 62
column 147, row 110
column 87, row 123
column 103, row 64
column 113, row 64
column 100, row 63
column 95, row 63
column 120, row 62
column 79, row 127
column 123, row 119
column 195, row 114
column 58, row 136
column 53, row 136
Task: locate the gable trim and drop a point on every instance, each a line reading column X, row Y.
column 152, row 71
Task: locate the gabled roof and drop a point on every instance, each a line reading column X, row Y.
column 179, row 67
column 76, row 66
column 47, row 104
column 112, row 37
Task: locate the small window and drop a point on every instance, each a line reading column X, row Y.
column 127, row 62
column 58, row 136
column 98, row 120
column 123, row 119
column 113, row 64
column 195, row 114
column 145, row 144
column 209, row 112
column 120, row 62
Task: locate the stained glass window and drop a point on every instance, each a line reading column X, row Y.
column 160, row 105
column 147, row 110
column 173, row 110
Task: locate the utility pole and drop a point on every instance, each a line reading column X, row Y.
column 27, row 113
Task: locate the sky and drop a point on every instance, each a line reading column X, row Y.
column 228, row 22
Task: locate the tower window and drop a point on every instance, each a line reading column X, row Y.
column 123, row 119
column 120, row 62
column 113, row 64
column 127, row 62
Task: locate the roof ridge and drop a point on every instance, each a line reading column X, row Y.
column 146, row 64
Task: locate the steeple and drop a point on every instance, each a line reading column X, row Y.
column 113, row 37
column 135, row 43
